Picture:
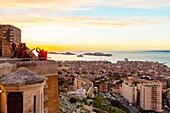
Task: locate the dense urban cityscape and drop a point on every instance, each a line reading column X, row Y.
column 138, row 85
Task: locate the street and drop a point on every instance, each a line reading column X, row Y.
column 112, row 95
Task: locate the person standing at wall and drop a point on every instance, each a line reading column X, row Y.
column 19, row 51
column 13, row 48
column 42, row 54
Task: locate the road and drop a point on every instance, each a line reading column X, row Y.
column 91, row 109
column 131, row 108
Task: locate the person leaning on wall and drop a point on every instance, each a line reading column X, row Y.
column 13, row 48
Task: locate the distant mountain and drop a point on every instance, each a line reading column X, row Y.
column 67, row 53
column 53, row 53
column 167, row 51
column 80, row 55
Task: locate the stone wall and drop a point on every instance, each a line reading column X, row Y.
column 6, row 52
column 6, row 68
column 29, row 102
column 39, row 67
column 51, row 102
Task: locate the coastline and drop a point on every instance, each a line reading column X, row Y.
column 161, row 57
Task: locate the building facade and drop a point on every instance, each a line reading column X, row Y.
column 8, row 33
column 82, row 87
column 129, row 91
column 147, row 94
column 24, row 92
column 103, row 88
column 151, row 96
column 46, row 69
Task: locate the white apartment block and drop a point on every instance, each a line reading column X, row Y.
column 129, row 91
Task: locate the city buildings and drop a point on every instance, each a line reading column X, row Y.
column 151, row 96
column 150, row 93
column 129, row 91
column 103, row 87
column 137, row 72
column 82, row 87
column 8, row 33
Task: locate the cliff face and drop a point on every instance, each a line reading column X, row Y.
column 45, row 68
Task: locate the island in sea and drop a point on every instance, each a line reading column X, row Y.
column 81, row 55
column 98, row 54
column 67, row 53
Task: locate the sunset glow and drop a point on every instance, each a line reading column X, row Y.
column 90, row 24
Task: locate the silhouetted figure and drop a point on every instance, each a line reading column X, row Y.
column 13, row 48
column 19, row 51
column 24, row 53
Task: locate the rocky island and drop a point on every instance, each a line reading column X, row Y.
column 67, row 53
column 98, row 54
column 80, row 55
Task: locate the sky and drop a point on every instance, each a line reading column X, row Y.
column 90, row 24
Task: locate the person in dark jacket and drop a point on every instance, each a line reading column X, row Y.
column 13, row 49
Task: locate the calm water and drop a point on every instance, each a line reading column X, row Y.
column 163, row 57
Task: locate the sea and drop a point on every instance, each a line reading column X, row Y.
column 162, row 56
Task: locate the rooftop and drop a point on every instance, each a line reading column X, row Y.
column 22, row 76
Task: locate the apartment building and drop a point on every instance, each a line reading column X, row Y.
column 103, row 87
column 151, row 96
column 148, row 94
column 129, row 91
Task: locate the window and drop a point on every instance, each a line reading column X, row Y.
column 34, row 103
column 15, row 102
